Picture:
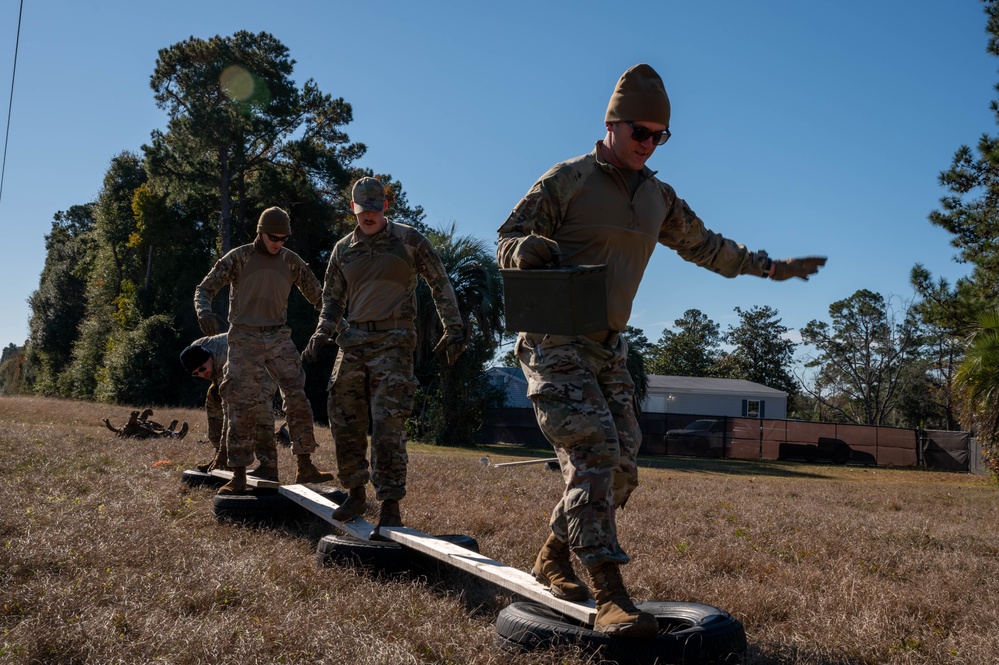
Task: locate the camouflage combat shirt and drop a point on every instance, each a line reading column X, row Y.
column 584, row 205
column 377, row 277
column 259, row 285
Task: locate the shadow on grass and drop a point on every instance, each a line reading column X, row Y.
column 730, row 467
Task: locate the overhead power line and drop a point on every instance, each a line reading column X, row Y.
column 10, row 104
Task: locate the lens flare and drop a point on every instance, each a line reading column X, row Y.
column 237, row 83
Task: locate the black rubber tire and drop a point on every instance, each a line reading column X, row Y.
column 689, row 633
column 380, row 556
column 264, row 505
column 271, row 507
column 195, row 478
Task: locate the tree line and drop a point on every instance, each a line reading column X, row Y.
column 114, row 304
column 114, row 307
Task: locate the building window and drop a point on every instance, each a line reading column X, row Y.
column 753, row 408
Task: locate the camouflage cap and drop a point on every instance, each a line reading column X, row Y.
column 368, row 194
column 639, row 95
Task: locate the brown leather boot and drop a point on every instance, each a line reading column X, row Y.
column 238, row 483
column 352, row 507
column 553, row 568
column 221, row 461
column 265, row 471
column 390, row 515
column 616, row 614
column 308, row 473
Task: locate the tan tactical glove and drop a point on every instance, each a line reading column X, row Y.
column 800, row 268
column 318, row 340
column 455, row 343
column 211, row 323
column 536, row 252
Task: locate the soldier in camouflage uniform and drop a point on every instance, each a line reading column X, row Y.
column 260, row 276
column 607, row 208
column 205, row 358
column 374, row 271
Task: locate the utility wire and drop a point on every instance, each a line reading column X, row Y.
column 10, row 104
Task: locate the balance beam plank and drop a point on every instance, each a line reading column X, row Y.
column 251, row 481
column 323, row 507
column 502, row 575
column 511, row 579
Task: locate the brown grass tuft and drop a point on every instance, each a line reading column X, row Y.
column 106, row 557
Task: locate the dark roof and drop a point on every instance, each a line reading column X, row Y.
column 513, row 372
column 696, row 384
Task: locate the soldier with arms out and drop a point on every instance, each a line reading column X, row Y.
column 371, row 280
column 260, row 276
column 608, row 208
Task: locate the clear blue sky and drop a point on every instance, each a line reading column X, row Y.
column 798, row 127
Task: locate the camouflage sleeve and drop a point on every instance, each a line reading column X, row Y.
column 334, row 296
column 223, row 272
column 306, row 280
column 683, row 231
column 430, row 267
column 539, row 212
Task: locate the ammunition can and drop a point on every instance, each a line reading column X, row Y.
column 556, row 301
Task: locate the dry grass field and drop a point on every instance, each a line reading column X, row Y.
column 107, row 557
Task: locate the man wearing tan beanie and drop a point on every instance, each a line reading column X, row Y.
column 260, row 276
column 607, row 208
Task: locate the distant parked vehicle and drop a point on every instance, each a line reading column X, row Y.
column 825, row 449
column 697, row 438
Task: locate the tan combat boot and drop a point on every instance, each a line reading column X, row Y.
column 553, row 568
column 238, row 483
column 390, row 515
column 308, row 473
column 265, row 471
column 616, row 614
column 207, row 466
column 352, row 507
column 221, row 461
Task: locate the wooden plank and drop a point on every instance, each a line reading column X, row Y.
column 251, row 481
column 511, row 579
column 323, row 507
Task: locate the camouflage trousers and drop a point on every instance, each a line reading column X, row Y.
column 218, row 422
column 583, row 400
column 253, row 355
column 373, row 374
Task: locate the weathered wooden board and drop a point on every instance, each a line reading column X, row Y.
column 251, row 481
column 323, row 507
column 511, row 579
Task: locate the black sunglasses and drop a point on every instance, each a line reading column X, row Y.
column 197, row 372
column 277, row 238
column 641, row 134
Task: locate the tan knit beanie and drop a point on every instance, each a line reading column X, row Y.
column 275, row 221
column 639, row 95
